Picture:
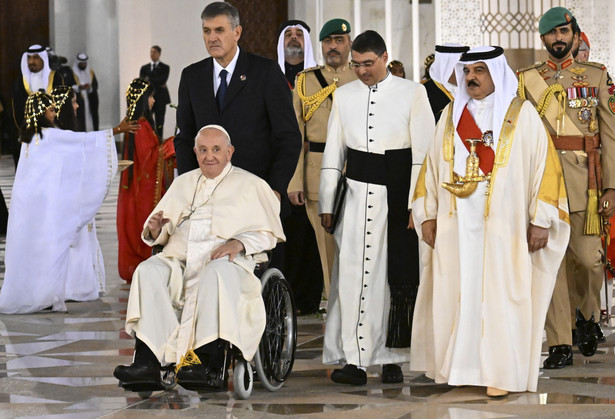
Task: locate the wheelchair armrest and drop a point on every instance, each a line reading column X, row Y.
column 263, row 265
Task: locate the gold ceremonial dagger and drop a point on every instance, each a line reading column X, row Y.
column 464, row 186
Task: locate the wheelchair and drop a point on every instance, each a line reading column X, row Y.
column 275, row 356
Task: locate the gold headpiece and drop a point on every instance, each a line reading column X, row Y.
column 36, row 105
column 133, row 94
column 60, row 95
column 429, row 60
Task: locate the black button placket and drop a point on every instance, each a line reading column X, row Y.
column 367, row 236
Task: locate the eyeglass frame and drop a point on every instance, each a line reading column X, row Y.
column 367, row 64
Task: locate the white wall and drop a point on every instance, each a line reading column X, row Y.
column 372, row 16
column 91, row 27
column 118, row 34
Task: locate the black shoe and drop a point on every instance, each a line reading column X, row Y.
column 391, row 373
column 559, row 357
column 350, row 374
column 137, row 377
column 587, row 338
column 200, row 377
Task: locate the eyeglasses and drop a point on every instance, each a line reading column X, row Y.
column 366, row 64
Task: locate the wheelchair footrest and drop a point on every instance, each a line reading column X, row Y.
column 211, row 386
column 138, row 386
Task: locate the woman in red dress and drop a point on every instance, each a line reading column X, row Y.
column 142, row 184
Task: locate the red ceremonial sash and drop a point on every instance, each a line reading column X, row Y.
column 467, row 128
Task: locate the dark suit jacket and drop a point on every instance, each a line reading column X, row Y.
column 158, row 77
column 257, row 113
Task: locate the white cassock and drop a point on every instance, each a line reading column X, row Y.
column 180, row 299
column 394, row 114
column 483, row 297
column 59, row 186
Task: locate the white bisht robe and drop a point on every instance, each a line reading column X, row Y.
column 483, row 296
column 83, row 77
column 395, row 114
column 59, row 186
column 180, row 299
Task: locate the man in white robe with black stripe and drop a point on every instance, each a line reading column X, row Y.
column 380, row 128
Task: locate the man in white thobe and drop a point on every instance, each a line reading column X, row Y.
column 493, row 186
column 214, row 223
column 442, row 83
column 295, row 52
column 380, row 125
column 86, row 88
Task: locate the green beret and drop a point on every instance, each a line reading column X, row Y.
column 334, row 27
column 553, row 18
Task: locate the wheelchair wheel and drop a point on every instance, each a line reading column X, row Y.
column 276, row 352
column 243, row 379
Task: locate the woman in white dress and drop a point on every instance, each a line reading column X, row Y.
column 60, row 184
column 85, row 279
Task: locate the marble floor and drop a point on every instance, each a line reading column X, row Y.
column 60, row 365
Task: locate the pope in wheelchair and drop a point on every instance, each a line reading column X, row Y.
column 200, row 292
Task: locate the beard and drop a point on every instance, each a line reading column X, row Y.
column 292, row 51
column 559, row 53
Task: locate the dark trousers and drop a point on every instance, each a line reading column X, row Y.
column 302, row 267
column 159, row 110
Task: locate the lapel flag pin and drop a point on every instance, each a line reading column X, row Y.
column 242, row 77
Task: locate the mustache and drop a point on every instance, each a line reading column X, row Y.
column 472, row 83
column 559, row 43
column 332, row 52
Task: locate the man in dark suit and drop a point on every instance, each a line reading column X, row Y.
column 157, row 74
column 251, row 100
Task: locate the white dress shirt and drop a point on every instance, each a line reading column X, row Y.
column 230, row 68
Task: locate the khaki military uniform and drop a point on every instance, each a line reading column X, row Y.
column 576, row 102
column 312, row 106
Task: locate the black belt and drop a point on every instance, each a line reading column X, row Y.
column 366, row 167
column 316, row 147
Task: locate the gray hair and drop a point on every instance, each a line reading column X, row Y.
column 219, row 8
column 216, row 127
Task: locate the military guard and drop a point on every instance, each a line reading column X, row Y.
column 576, row 101
column 312, row 99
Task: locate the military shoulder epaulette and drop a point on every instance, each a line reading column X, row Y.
column 535, row 65
column 307, row 70
column 591, row 63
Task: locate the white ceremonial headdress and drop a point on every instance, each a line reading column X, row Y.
column 503, row 77
column 308, row 52
column 445, row 58
column 25, row 71
column 84, row 75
